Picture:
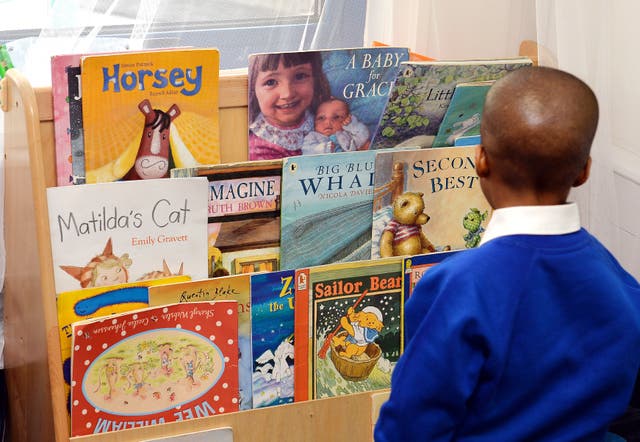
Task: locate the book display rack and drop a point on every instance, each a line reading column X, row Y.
column 38, row 408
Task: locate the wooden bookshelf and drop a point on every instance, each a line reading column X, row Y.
column 32, row 349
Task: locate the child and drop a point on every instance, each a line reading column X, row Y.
column 535, row 334
column 284, row 91
column 336, row 130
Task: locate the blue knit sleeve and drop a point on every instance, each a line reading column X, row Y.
column 442, row 362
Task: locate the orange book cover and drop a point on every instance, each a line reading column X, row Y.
column 349, row 332
column 154, row 365
column 302, row 336
column 148, row 111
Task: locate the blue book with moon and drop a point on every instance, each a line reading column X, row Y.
column 326, row 212
column 463, row 114
column 272, row 318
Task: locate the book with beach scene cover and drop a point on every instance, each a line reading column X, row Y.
column 154, row 365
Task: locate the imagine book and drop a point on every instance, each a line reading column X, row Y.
column 332, row 99
column 113, row 233
column 235, row 288
column 427, row 200
column 348, row 327
column 154, row 365
column 145, row 112
column 272, row 317
column 244, row 215
column 327, row 203
column 421, row 94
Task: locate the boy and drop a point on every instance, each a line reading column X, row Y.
column 535, row 334
column 335, row 130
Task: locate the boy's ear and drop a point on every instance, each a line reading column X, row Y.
column 584, row 174
column 482, row 164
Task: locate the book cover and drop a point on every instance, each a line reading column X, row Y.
column 235, row 288
column 312, row 102
column 470, row 140
column 67, row 119
column 112, row 233
column 145, row 112
column 244, row 215
column 421, row 94
column 272, row 318
column 154, row 365
column 327, row 203
column 416, row 266
column 350, row 336
column 78, row 305
column 427, row 200
column 464, row 113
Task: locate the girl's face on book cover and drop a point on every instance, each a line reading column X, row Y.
column 284, row 94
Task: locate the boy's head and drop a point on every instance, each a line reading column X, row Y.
column 330, row 116
column 537, row 128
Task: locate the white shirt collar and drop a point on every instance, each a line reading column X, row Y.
column 533, row 220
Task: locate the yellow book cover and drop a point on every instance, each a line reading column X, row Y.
column 233, row 288
column 94, row 302
column 148, row 111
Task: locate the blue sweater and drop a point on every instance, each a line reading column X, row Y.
column 526, row 338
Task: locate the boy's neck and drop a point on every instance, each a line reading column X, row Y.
column 511, row 198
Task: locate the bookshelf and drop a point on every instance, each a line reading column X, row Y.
column 32, row 349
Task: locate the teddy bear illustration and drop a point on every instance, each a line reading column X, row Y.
column 403, row 234
column 472, row 221
column 362, row 329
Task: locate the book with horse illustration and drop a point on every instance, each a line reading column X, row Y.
column 145, row 112
column 154, row 365
column 327, row 203
column 348, row 327
column 112, row 233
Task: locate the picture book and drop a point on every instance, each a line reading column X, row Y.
column 154, row 365
column 244, row 215
column 427, row 200
column 464, row 113
column 464, row 140
column 78, row 305
column 235, row 288
column 312, row 102
column 67, row 119
column 224, row 434
column 272, row 317
column 348, row 337
column 145, row 112
column 112, row 233
column 417, row 265
column 421, row 94
column 327, row 203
